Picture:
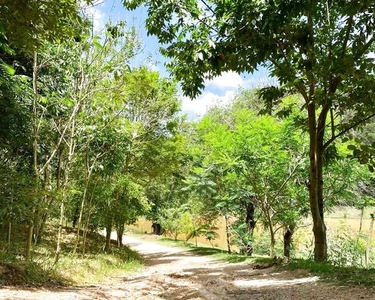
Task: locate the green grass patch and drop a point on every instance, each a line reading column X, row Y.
column 330, row 273
column 95, row 266
column 100, row 267
column 216, row 253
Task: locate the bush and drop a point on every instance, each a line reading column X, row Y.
column 347, row 248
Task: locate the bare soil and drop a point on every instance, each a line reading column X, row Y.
column 174, row 273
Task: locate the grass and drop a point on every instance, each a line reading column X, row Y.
column 99, row 268
column 215, row 253
column 326, row 271
column 330, row 273
column 93, row 267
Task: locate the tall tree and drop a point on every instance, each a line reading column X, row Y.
column 318, row 49
column 26, row 24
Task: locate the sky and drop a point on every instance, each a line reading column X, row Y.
column 218, row 90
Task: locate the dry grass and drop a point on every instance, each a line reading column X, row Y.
column 81, row 269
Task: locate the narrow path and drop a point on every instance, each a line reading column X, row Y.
column 173, row 273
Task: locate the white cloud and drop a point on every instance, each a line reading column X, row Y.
column 95, row 14
column 198, row 107
column 226, row 80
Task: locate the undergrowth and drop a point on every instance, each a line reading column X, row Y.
column 331, row 273
column 216, row 253
column 93, row 267
column 326, row 271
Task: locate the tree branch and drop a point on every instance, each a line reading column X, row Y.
column 332, row 122
column 332, row 139
column 287, row 179
column 348, row 29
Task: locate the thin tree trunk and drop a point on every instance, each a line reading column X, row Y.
column 48, row 201
column 107, row 247
column 35, row 156
column 266, row 211
column 227, row 233
column 250, row 220
column 361, row 219
column 29, row 242
column 83, row 202
column 120, row 232
column 369, row 237
column 91, row 208
column 10, row 224
column 272, row 239
column 62, row 208
column 59, row 232
column 40, row 231
column 250, row 226
column 89, row 170
column 85, row 230
column 288, row 241
column 75, row 216
column 322, row 254
column 9, row 233
column 63, row 192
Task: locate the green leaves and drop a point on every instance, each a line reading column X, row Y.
column 56, row 20
column 9, row 69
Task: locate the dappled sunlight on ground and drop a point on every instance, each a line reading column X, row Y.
column 271, row 282
column 172, row 273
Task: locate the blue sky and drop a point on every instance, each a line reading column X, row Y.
column 218, row 90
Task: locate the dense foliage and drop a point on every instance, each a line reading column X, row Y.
column 322, row 50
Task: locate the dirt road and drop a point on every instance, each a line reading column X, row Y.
column 173, row 273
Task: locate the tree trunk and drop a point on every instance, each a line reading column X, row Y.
column 250, row 226
column 250, row 221
column 266, row 210
column 59, row 232
column 369, row 237
column 157, row 229
column 63, row 188
column 120, row 232
column 10, row 224
column 82, row 207
column 316, row 184
column 272, row 242
column 288, row 241
column 86, row 229
column 62, row 208
column 361, row 219
column 107, row 247
column 29, row 241
column 75, row 217
column 227, row 233
column 40, row 224
column 9, row 233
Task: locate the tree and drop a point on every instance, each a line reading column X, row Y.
column 317, row 49
column 26, row 24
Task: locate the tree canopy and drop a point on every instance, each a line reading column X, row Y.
column 321, row 50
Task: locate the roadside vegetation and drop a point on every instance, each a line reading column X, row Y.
column 94, row 267
column 328, row 272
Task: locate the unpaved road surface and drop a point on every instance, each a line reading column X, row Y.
column 173, row 273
